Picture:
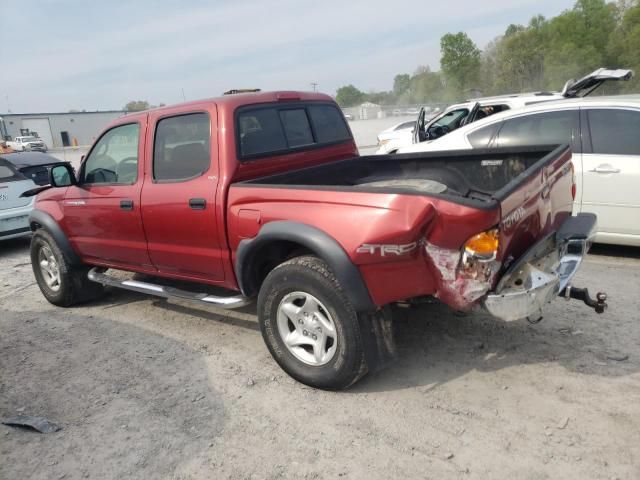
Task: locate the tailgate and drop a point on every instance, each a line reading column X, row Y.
column 535, row 204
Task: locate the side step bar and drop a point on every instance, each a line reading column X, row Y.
column 97, row 275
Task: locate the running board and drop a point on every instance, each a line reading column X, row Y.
column 97, row 275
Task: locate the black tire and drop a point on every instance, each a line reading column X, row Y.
column 74, row 286
column 311, row 275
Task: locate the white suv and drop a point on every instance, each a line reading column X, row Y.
column 429, row 129
column 604, row 133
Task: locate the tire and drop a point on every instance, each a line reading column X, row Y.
column 61, row 283
column 342, row 360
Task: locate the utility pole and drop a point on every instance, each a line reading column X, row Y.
column 314, row 85
column 184, row 99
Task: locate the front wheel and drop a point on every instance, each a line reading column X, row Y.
column 61, row 283
column 310, row 326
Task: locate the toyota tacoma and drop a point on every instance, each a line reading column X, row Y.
column 263, row 195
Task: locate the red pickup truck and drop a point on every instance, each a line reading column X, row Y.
column 265, row 194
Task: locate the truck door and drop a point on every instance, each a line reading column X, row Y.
column 102, row 212
column 178, row 197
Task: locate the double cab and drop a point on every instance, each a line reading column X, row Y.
column 263, row 195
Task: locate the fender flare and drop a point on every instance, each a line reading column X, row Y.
column 47, row 223
column 323, row 245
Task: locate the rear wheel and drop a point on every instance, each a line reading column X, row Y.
column 60, row 282
column 310, row 326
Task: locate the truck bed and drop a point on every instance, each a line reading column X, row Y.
column 474, row 177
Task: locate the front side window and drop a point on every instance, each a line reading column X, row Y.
column 548, row 128
column 114, row 158
column 181, row 148
column 615, row 132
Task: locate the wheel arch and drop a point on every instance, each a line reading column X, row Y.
column 39, row 219
column 280, row 240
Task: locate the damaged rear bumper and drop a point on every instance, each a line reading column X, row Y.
column 544, row 272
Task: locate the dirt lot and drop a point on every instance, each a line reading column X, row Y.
column 149, row 389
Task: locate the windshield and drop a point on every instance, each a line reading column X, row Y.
column 29, row 139
column 449, row 119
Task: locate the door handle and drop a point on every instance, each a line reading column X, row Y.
column 126, row 204
column 197, row 203
column 602, row 169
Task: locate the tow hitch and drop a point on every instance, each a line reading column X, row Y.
column 599, row 304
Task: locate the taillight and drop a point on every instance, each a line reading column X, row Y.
column 573, row 182
column 484, row 245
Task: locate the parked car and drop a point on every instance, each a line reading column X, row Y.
column 456, row 116
column 348, row 116
column 33, row 165
column 396, row 131
column 412, row 111
column 14, row 210
column 278, row 205
column 27, row 143
column 603, row 133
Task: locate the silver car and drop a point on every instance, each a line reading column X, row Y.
column 14, row 209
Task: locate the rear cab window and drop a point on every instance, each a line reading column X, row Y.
column 275, row 129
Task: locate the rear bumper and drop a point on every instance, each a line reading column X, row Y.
column 543, row 272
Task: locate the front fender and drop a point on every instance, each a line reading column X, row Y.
column 41, row 219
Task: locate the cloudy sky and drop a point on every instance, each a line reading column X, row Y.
column 91, row 54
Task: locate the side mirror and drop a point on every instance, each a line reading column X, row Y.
column 62, row 176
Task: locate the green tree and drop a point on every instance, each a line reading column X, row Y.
column 401, row 84
column 137, row 106
column 460, row 61
column 349, row 96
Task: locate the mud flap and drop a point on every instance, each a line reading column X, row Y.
column 378, row 339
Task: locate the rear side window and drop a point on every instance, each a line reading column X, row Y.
column 483, row 136
column 546, row 128
column 8, row 172
column 283, row 128
column 615, row 132
column 181, row 147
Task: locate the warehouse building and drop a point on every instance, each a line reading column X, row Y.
column 59, row 129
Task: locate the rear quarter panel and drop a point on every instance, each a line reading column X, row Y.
column 357, row 219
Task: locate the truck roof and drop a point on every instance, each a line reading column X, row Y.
column 240, row 99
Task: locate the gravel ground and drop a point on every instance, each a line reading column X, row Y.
column 145, row 388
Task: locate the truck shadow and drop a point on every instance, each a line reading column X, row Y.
column 437, row 345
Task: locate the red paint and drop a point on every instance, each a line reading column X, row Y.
column 163, row 236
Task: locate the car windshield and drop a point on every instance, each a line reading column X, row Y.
column 450, row 118
column 29, row 139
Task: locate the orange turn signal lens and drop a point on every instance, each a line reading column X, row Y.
column 483, row 245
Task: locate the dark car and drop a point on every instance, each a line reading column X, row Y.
column 33, row 165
